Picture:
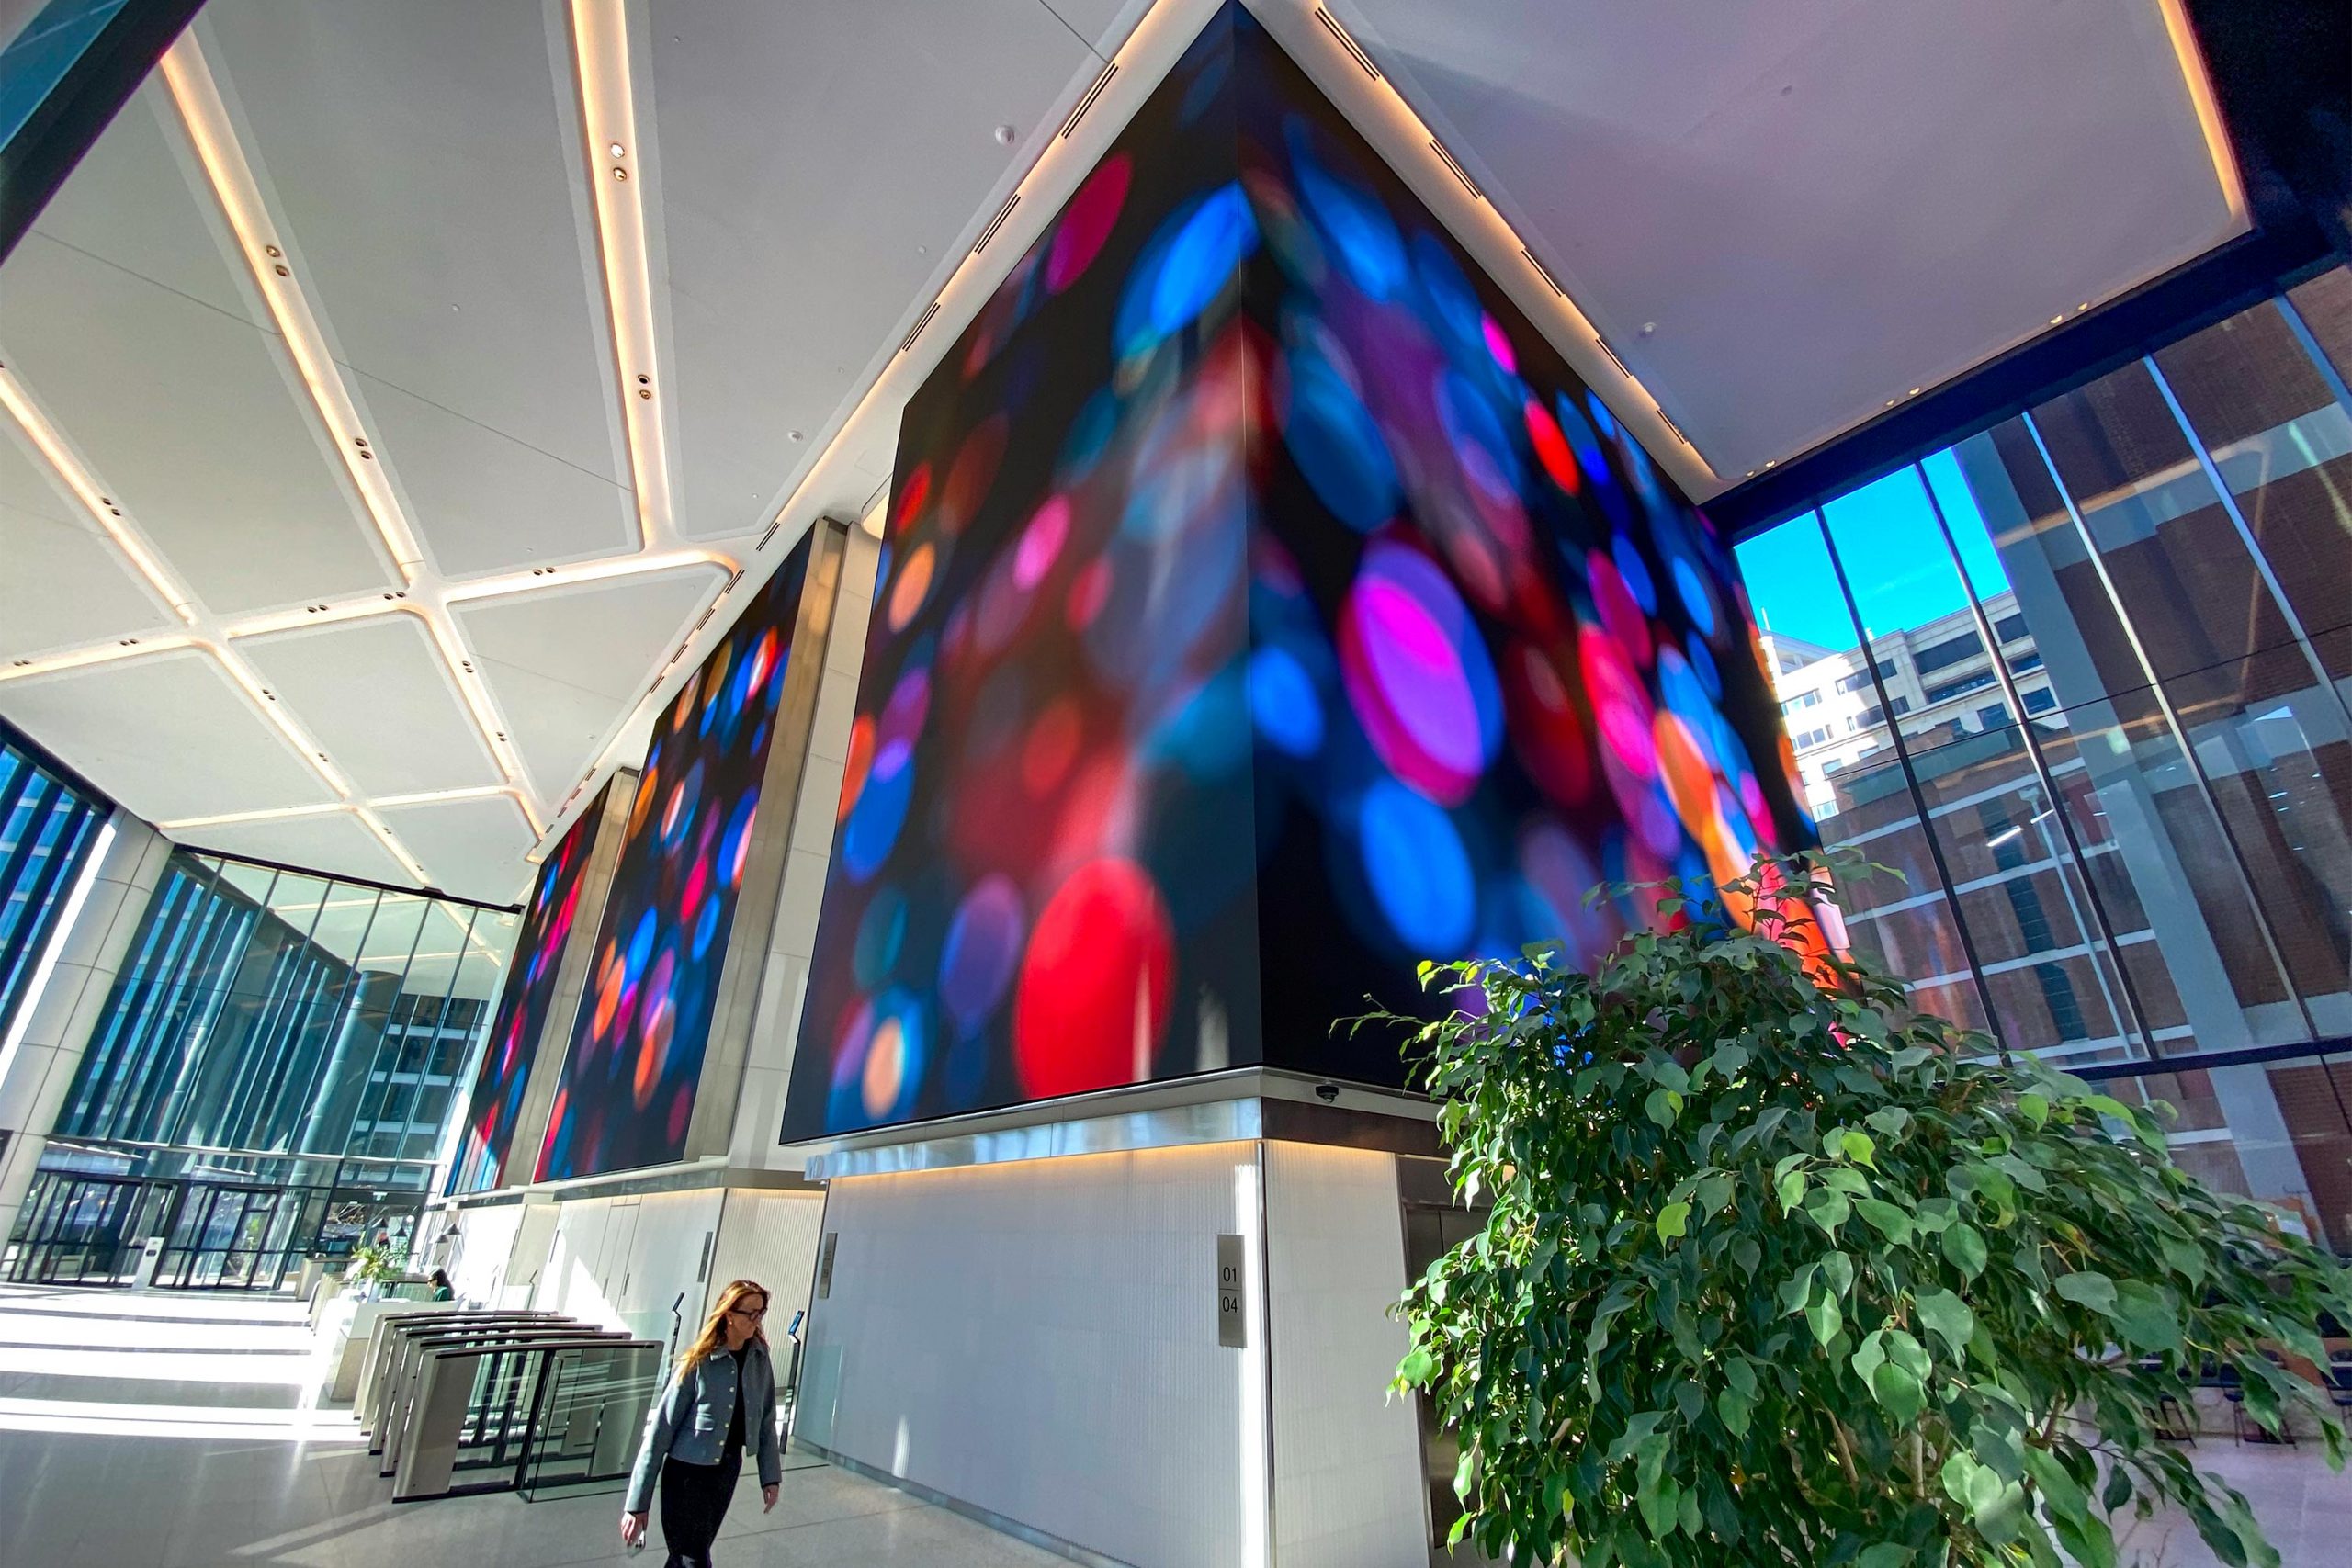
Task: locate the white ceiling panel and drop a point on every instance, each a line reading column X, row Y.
column 336, row 842
column 169, row 735
column 801, row 223
column 471, row 848
column 426, row 170
column 564, row 664
column 378, row 695
column 61, row 584
column 484, row 502
column 189, row 416
column 1103, row 22
column 138, row 200
column 1781, row 217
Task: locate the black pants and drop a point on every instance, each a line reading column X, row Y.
column 694, row 1505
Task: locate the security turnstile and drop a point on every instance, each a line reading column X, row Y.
column 406, row 1375
column 394, row 1335
column 480, row 1412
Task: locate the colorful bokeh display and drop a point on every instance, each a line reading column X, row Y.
column 523, row 1007
column 643, row 1027
column 1265, row 606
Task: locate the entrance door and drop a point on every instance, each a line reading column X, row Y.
column 74, row 1228
column 230, row 1238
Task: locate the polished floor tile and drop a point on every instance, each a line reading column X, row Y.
column 222, row 1464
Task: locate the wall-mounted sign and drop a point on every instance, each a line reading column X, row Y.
column 825, row 1265
column 1232, row 1316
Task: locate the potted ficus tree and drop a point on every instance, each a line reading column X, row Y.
column 1779, row 1271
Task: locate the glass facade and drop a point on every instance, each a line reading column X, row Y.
column 2101, row 728
column 272, row 1074
column 263, row 1011
column 48, row 826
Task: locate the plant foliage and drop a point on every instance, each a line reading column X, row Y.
column 1779, row 1271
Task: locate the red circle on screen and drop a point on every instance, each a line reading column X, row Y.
column 1094, row 985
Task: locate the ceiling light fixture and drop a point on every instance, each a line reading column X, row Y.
column 585, row 571
column 213, row 135
column 608, row 112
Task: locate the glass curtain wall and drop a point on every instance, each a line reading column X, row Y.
column 2083, row 680
column 268, row 1011
column 48, row 826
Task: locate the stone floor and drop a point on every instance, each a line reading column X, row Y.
column 172, row 1431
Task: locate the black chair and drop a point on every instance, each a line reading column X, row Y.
column 2174, row 1423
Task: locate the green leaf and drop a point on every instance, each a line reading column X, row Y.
column 1948, row 1318
column 1907, row 1352
column 1790, row 1190
column 1965, row 1247
column 1870, row 1357
column 1418, row 1369
column 1732, row 1409
column 1898, row 1392
column 1829, row 1210
column 1673, row 1220
column 2088, row 1288
column 1836, row 1273
column 2148, row 1317
column 1885, row 1218
column 1715, row 1192
column 1846, row 1180
column 1822, row 1316
column 1663, row 1106
column 1886, row 1554
column 2034, row 1108
column 1889, row 1120
column 1858, row 1147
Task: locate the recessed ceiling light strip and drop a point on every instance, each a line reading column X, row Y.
column 206, row 117
column 475, row 693
column 102, row 653
column 234, row 819
column 585, row 571
column 609, row 118
column 99, row 506
column 2182, row 34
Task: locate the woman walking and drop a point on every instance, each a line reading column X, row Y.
column 723, row 1398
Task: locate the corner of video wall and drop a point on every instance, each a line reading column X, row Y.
column 1495, row 658
column 1264, row 607
column 643, row 1027
column 524, row 1006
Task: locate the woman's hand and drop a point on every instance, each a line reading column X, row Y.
column 633, row 1525
column 767, row 1498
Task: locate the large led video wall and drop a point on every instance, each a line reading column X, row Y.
column 1265, row 607
column 643, row 1027
column 523, row 1007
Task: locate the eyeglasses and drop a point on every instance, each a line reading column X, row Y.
column 754, row 1313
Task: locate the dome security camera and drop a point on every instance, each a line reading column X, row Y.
column 1326, row 1092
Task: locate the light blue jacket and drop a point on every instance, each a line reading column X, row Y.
column 689, row 1421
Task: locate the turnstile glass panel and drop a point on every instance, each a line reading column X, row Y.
column 591, row 1409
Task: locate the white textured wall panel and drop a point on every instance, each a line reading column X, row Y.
column 484, row 1246
column 1347, row 1487
column 771, row 1237
column 1040, row 1340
